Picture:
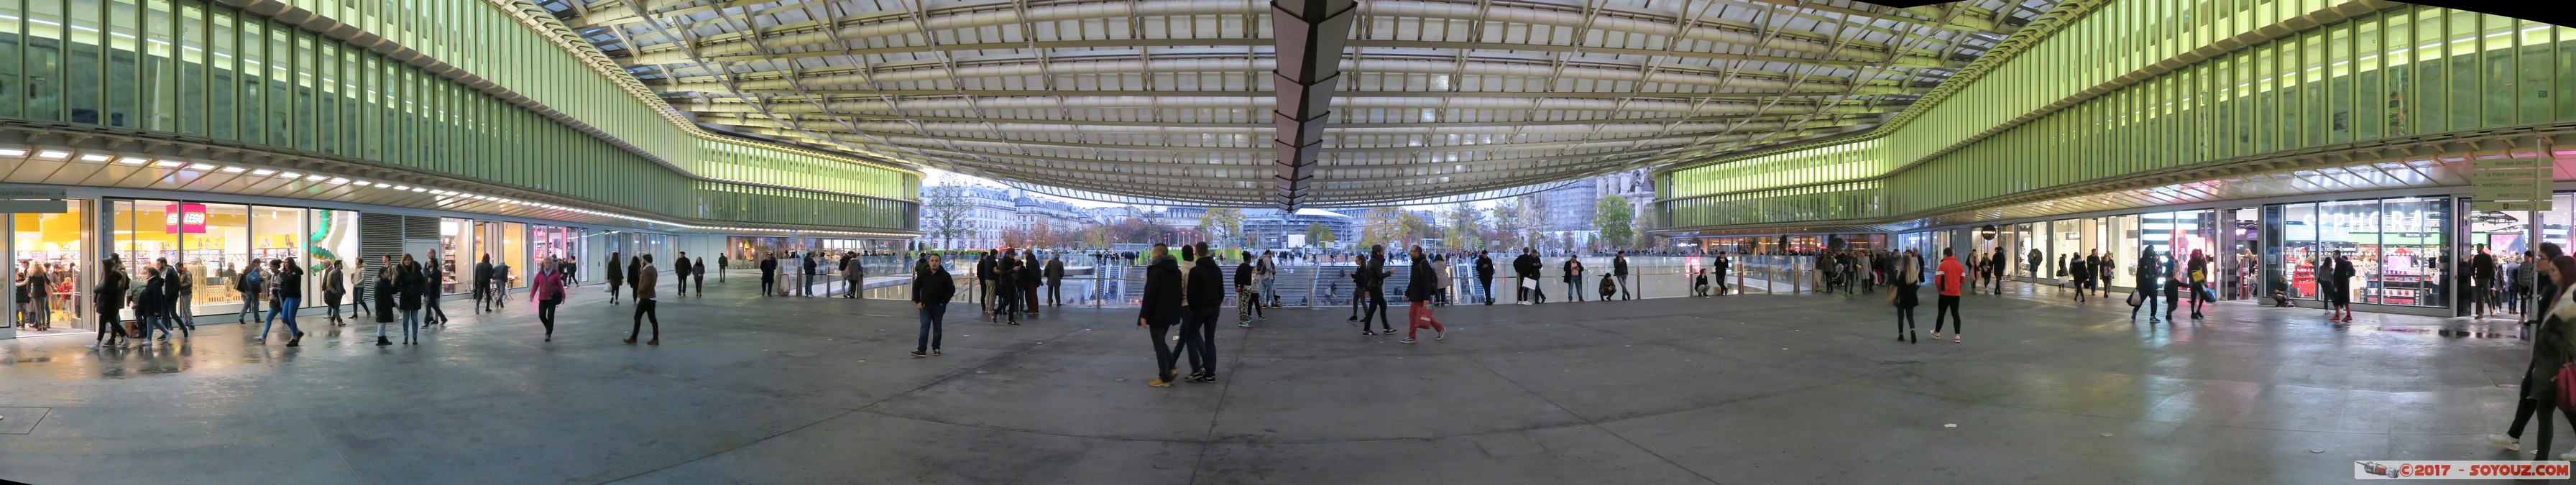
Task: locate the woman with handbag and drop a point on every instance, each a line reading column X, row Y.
column 548, row 293
column 2198, row 271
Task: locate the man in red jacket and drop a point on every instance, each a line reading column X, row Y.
column 1948, row 282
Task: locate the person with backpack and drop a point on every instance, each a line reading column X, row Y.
column 248, row 285
column 2552, row 347
column 1952, row 277
column 501, row 285
column 1425, row 282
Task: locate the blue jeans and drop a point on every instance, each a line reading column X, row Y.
column 286, row 308
column 250, row 306
column 931, row 316
column 411, row 325
column 1270, row 289
column 153, row 322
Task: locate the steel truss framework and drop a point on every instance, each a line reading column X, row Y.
column 1174, row 100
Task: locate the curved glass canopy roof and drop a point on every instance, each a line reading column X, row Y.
column 1177, row 100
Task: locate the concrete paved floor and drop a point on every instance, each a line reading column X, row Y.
column 1739, row 389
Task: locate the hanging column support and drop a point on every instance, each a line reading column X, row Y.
column 1310, row 35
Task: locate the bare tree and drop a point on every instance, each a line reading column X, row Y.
column 950, row 215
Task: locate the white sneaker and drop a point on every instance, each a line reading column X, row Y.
column 2506, row 442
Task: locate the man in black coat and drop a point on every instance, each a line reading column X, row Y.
column 984, row 281
column 1205, row 296
column 931, row 290
column 1159, row 309
column 1619, row 270
column 1528, row 266
column 483, row 284
column 1372, row 284
column 1055, row 279
column 768, row 274
column 1485, row 275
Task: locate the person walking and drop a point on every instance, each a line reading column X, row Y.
column 183, row 284
column 414, row 285
column 2174, row 282
column 723, row 265
column 249, row 285
column 1159, row 309
column 434, row 277
column 1373, row 274
column 1619, row 272
column 2342, row 294
column 697, row 275
column 290, row 295
column 1425, row 282
column 501, row 284
column 549, row 293
column 854, row 274
column 931, row 290
column 646, row 278
column 334, row 286
column 1909, row 273
column 680, row 275
column 1950, row 280
column 1246, row 301
column 2148, row 279
column 1485, row 275
column 2482, row 280
column 149, row 300
column 1994, row 271
column 483, row 284
column 2079, row 271
column 2551, row 348
column 107, row 298
column 1574, row 277
column 2198, row 271
column 616, row 273
column 1055, row 279
column 1204, row 295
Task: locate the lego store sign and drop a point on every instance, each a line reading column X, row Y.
column 184, row 219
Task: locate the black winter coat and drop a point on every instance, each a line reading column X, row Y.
column 933, row 288
column 1207, row 286
column 1161, row 303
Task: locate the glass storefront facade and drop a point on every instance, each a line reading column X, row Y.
column 215, row 242
column 57, row 245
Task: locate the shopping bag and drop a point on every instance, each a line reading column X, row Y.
column 2137, row 298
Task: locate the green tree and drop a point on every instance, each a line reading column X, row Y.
column 1616, row 220
column 1507, row 223
column 1382, row 225
column 1223, row 224
column 1318, row 235
column 1465, row 229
